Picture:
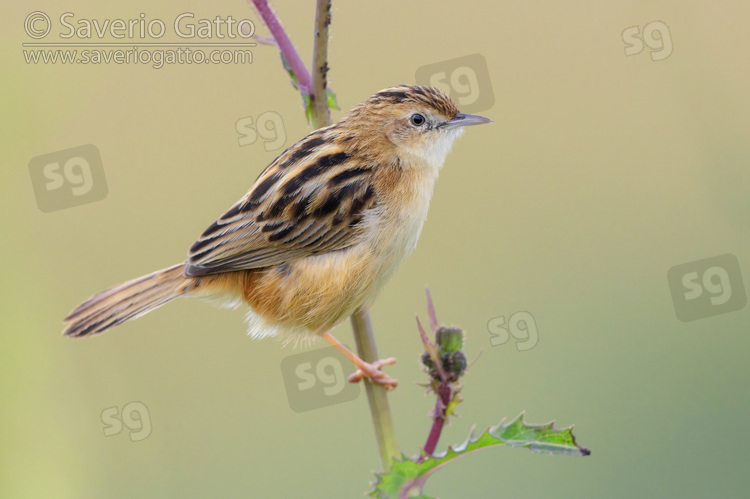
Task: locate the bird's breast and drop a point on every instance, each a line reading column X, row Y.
column 393, row 227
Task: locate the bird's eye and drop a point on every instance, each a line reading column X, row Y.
column 417, row 120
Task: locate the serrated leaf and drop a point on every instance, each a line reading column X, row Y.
column 409, row 475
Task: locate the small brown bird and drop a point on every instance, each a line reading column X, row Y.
column 321, row 230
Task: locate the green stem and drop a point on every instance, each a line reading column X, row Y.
column 376, row 395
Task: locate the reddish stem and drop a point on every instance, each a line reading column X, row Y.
column 304, row 81
column 444, row 392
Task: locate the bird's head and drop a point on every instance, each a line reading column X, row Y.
column 417, row 123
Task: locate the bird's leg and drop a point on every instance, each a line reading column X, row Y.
column 367, row 370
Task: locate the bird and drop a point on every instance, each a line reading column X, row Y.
column 320, row 231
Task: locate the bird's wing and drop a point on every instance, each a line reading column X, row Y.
column 309, row 201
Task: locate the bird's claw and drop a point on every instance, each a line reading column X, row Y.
column 372, row 372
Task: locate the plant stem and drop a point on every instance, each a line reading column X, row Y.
column 361, row 324
column 321, row 112
column 376, row 395
column 444, row 387
column 285, row 45
column 316, row 89
column 441, row 404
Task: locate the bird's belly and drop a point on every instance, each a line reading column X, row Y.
column 312, row 294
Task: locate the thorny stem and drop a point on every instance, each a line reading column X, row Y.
column 316, row 89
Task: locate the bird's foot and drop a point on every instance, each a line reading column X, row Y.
column 373, row 372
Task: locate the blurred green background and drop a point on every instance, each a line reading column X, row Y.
column 602, row 171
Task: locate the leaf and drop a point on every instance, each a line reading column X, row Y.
column 409, row 475
column 332, row 102
column 288, row 68
column 306, row 101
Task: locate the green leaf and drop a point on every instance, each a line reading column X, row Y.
column 288, row 68
column 307, row 102
column 332, row 102
column 409, row 475
column 330, row 97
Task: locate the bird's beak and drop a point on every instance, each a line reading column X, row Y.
column 462, row 119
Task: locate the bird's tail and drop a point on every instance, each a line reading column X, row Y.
column 128, row 301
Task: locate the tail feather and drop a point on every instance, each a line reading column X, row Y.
column 128, row 301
